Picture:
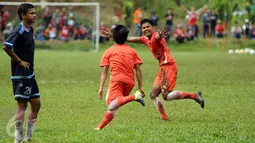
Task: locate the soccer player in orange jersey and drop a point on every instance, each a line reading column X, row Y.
column 166, row 78
column 122, row 60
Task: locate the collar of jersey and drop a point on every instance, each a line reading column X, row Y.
column 24, row 28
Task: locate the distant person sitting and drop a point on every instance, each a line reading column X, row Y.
column 64, row 34
column 237, row 31
column 50, row 33
column 219, row 29
column 179, row 34
column 190, row 34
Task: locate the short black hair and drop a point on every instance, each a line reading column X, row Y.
column 23, row 9
column 120, row 34
column 146, row 20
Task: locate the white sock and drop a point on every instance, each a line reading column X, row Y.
column 30, row 129
column 158, row 103
column 18, row 134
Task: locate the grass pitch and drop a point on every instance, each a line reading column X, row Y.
column 69, row 80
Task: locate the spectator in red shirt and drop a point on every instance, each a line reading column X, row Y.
column 192, row 16
column 219, row 29
column 64, row 34
column 179, row 34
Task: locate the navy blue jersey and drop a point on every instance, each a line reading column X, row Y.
column 21, row 40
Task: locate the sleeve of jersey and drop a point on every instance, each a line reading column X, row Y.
column 143, row 39
column 105, row 60
column 11, row 39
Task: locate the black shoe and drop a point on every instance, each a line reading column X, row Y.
column 199, row 99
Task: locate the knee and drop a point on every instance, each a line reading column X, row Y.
column 153, row 95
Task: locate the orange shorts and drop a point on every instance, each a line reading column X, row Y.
column 167, row 76
column 117, row 89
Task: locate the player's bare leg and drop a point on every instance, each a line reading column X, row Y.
column 32, row 115
column 118, row 102
column 19, row 119
column 156, row 90
column 175, row 95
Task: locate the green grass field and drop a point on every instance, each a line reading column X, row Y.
column 69, row 80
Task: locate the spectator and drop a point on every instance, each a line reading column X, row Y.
column 138, row 16
column 4, row 17
column 39, row 33
column 253, row 32
column 179, row 34
column 115, row 21
column 246, row 28
column 190, row 34
column 56, row 16
column 50, row 32
column 219, row 29
column 154, row 18
column 213, row 21
column 63, row 18
column 64, row 34
column 206, row 22
column 8, row 29
column 70, row 23
column 169, row 23
column 237, row 31
column 47, row 15
column 193, row 17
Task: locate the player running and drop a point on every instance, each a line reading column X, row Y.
column 122, row 61
column 20, row 47
column 166, row 78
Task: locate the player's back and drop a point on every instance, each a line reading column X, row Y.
column 122, row 60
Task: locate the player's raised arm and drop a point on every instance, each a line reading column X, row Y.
column 103, row 78
column 14, row 57
column 161, row 33
column 134, row 39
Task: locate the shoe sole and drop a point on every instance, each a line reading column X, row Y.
column 141, row 101
column 202, row 102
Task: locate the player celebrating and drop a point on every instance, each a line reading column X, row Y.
column 122, row 61
column 20, row 47
column 166, row 78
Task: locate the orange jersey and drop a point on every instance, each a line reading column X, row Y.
column 158, row 48
column 137, row 16
column 121, row 59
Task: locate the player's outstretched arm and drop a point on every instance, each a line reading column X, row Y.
column 134, row 39
column 139, row 77
column 14, row 57
column 103, row 78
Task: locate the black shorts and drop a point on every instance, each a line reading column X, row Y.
column 25, row 89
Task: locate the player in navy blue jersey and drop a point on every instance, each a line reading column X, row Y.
column 20, row 47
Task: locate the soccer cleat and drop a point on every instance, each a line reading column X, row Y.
column 139, row 97
column 199, row 99
column 97, row 129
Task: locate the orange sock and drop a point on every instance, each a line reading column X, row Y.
column 180, row 95
column 108, row 116
column 159, row 105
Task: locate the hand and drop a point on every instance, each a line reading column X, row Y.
column 162, row 33
column 107, row 33
column 100, row 93
column 25, row 65
column 142, row 91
